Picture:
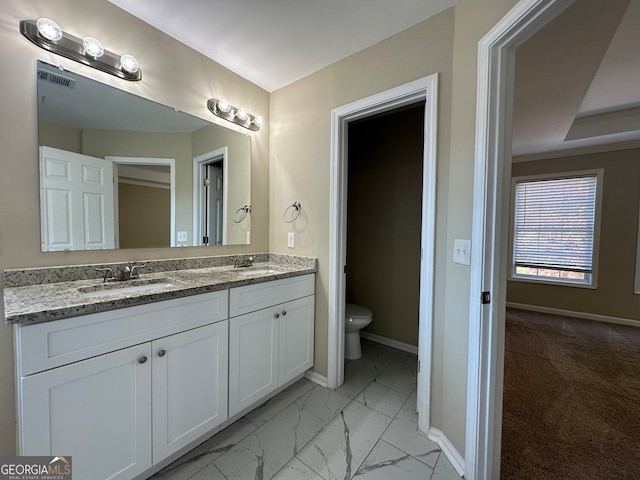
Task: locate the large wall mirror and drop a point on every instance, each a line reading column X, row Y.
column 120, row 171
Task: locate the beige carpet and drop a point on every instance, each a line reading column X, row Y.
column 571, row 399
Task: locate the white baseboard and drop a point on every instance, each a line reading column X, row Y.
column 448, row 449
column 405, row 347
column 315, row 377
column 569, row 313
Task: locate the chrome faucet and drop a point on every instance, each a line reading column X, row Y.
column 247, row 262
column 127, row 273
column 108, row 274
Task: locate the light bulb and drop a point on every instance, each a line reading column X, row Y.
column 242, row 114
column 224, row 106
column 259, row 120
column 92, row 47
column 49, row 29
column 128, row 63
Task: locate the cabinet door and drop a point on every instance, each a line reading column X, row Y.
column 97, row 411
column 189, row 386
column 296, row 337
column 253, row 358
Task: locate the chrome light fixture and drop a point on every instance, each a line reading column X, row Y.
column 49, row 29
column 129, row 64
column 46, row 34
column 93, row 47
column 239, row 116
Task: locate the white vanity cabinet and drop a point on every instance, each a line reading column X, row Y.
column 271, row 330
column 96, row 411
column 119, row 391
column 189, row 385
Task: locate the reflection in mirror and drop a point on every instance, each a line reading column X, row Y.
column 120, row 171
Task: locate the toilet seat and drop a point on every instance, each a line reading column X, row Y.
column 357, row 311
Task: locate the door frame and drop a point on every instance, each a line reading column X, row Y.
column 167, row 162
column 423, row 89
column 490, row 231
column 199, row 164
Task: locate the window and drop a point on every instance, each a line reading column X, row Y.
column 555, row 228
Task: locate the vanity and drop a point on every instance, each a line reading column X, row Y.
column 126, row 378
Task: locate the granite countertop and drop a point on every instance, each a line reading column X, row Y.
column 43, row 302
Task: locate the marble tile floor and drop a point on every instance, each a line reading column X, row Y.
column 365, row 430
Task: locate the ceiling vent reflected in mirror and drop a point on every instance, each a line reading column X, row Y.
column 56, row 79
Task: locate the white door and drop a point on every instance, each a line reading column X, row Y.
column 189, row 386
column 296, row 337
column 215, row 219
column 77, row 210
column 253, row 358
column 97, row 411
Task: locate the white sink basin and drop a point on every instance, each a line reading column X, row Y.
column 126, row 287
column 259, row 271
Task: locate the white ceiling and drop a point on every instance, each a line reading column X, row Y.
column 577, row 80
column 577, row 83
column 273, row 43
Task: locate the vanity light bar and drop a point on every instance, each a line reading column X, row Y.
column 239, row 116
column 46, row 34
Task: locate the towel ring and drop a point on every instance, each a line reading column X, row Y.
column 297, row 206
column 245, row 209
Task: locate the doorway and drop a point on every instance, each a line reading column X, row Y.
column 384, row 181
column 425, row 89
column 496, row 65
column 210, row 188
column 143, row 184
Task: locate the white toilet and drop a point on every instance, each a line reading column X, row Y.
column 356, row 317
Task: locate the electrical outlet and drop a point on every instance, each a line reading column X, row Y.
column 462, row 251
column 248, row 236
column 291, row 240
column 182, row 236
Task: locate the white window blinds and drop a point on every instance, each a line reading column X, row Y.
column 554, row 223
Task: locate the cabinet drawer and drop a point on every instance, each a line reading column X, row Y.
column 262, row 295
column 52, row 344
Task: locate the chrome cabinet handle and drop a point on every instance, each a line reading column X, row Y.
column 162, row 353
column 143, row 359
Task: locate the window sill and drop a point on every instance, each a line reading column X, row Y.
column 553, row 283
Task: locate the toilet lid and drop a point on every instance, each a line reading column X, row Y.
column 357, row 311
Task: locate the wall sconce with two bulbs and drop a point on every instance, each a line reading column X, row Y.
column 239, row 116
column 46, row 34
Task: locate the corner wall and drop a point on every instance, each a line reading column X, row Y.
column 300, row 141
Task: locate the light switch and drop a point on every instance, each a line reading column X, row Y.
column 182, row 236
column 462, row 251
column 291, row 240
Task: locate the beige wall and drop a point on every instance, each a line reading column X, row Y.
column 384, row 221
column 144, row 216
column 300, row 113
column 238, row 175
column 618, row 235
column 172, row 74
column 58, row 136
column 301, row 117
column 182, row 147
column 116, row 143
